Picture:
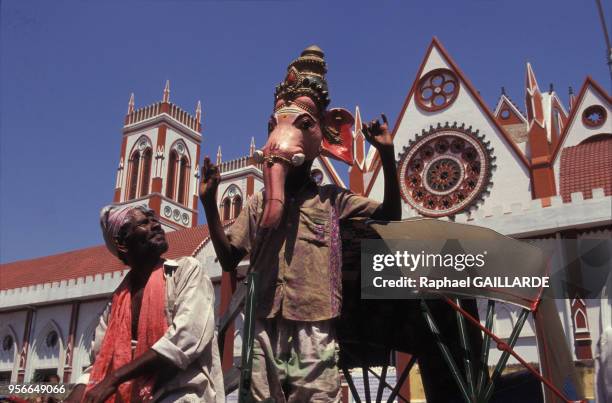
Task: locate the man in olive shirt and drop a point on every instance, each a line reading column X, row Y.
column 295, row 231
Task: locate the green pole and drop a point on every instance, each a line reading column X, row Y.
column 248, row 337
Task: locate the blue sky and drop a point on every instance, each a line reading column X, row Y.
column 67, row 69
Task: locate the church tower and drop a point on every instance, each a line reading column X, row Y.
column 158, row 165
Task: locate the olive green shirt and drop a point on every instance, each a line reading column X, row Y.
column 300, row 261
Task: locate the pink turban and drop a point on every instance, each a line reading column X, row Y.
column 112, row 219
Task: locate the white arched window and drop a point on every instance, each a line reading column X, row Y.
column 139, row 169
column 183, row 180
column 47, row 357
column 134, row 168
column 179, row 167
column 9, row 351
column 83, row 346
column 236, row 206
column 231, row 204
column 227, row 208
column 146, row 171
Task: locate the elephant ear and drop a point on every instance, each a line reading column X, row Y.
column 337, row 136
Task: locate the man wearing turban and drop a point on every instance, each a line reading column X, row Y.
column 155, row 340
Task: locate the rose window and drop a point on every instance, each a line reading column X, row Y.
column 443, row 174
column 594, row 116
column 437, row 90
column 445, row 171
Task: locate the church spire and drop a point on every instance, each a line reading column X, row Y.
column 131, row 104
column 530, row 79
column 572, row 98
column 533, row 98
column 166, row 98
column 198, row 111
column 218, row 162
column 252, row 147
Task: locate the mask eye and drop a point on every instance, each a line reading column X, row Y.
column 306, row 123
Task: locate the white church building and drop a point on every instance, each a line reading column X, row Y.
column 540, row 174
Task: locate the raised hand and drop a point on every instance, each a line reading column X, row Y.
column 378, row 134
column 210, row 181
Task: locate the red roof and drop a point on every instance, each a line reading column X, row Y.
column 585, row 167
column 89, row 261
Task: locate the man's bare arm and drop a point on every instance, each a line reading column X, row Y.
column 378, row 135
column 228, row 256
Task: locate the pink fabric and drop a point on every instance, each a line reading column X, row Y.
column 111, row 220
column 116, row 350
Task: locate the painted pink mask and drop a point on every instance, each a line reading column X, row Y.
column 301, row 128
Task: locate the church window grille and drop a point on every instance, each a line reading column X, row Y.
column 237, row 206
column 135, row 162
column 171, row 174
column 594, row 116
column 437, row 90
column 183, row 180
column 226, row 209
column 146, row 172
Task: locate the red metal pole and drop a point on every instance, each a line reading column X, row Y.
column 501, row 345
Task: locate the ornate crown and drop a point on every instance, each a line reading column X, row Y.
column 306, row 76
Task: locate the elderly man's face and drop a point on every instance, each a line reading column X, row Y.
column 145, row 235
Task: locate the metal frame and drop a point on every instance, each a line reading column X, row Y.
column 473, row 383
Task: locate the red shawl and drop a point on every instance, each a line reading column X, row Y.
column 116, row 348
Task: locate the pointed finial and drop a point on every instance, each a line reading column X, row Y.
column 551, row 88
column 131, row 104
column 572, row 98
column 503, row 90
column 357, row 120
column 252, row 147
column 530, row 80
column 218, row 156
column 166, row 97
column 198, row 115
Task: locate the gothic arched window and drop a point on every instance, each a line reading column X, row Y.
column 146, row 172
column 226, row 209
column 134, row 164
column 171, row 174
column 183, row 180
column 237, row 206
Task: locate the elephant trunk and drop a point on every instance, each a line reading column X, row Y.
column 275, row 175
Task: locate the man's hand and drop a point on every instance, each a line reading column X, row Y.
column 210, row 182
column 102, row 390
column 76, row 395
column 378, row 134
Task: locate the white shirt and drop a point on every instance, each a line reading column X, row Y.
column 190, row 342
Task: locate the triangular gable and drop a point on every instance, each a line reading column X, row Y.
column 513, row 116
column 437, row 57
column 330, row 174
column 590, row 91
